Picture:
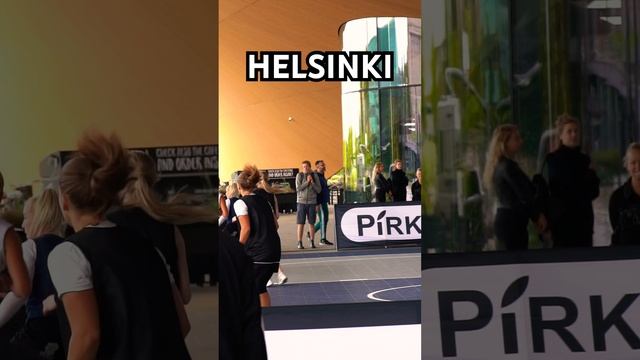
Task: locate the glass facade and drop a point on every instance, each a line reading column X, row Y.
column 490, row 62
column 381, row 120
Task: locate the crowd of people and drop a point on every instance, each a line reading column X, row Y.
column 396, row 184
column 103, row 273
column 250, row 213
column 558, row 200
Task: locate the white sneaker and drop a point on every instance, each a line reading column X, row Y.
column 269, row 283
column 282, row 279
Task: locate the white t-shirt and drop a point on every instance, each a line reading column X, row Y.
column 241, row 208
column 70, row 270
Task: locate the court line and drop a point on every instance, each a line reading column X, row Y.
column 347, row 280
column 372, row 295
column 310, row 261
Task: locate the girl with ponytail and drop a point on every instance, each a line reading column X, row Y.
column 119, row 301
column 144, row 212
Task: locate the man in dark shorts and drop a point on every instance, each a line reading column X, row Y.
column 307, row 189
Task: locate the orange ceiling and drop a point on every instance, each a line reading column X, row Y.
column 253, row 116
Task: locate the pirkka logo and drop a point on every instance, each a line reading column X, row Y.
column 602, row 322
column 382, row 223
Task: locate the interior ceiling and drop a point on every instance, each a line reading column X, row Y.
column 295, row 25
column 145, row 69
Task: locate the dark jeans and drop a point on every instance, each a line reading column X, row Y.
column 511, row 229
column 323, row 220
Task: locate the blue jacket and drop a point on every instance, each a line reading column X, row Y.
column 323, row 196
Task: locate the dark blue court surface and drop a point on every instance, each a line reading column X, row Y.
column 341, row 292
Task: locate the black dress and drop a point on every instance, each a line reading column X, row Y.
column 382, row 187
column 515, row 195
column 624, row 214
column 572, row 188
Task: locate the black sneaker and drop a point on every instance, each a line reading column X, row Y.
column 325, row 242
column 300, row 245
column 313, row 246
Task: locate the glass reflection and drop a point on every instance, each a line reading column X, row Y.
column 381, row 120
column 491, row 62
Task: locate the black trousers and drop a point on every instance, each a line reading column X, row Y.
column 510, row 227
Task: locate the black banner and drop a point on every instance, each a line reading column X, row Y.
column 184, row 160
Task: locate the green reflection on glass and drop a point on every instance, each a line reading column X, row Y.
column 381, row 120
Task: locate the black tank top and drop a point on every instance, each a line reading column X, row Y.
column 138, row 319
column 263, row 244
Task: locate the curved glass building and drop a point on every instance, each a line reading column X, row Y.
column 381, row 120
column 490, row 62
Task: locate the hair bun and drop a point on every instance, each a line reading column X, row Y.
column 97, row 172
column 249, row 177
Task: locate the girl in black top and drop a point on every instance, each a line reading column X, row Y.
column 265, row 190
column 624, row 205
column 158, row 221
column 118, row 298
column 572, row 188
column 258, row 231
column 399, row 182
column 382, row 184
column 513, row 189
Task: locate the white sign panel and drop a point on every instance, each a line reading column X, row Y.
column 565, row 310
column 382, row 223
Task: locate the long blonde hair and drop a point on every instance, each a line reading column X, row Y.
column 264, row 182
column 232, row 190
column 139, row 193
column 497, row 149
column 377, row 166
column 45, row 216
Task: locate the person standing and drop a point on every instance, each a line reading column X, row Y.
column 514, row 190
column 382, row 186
column 399, row 182
column 322, row 208
column 258, row 231
column 43, row 225
column 143, row 211
column 14, row 278
column 416, row 187
column 573, row 185
column 307, row 190
column 624, row 204
column 119, row 300
column 265, row 190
